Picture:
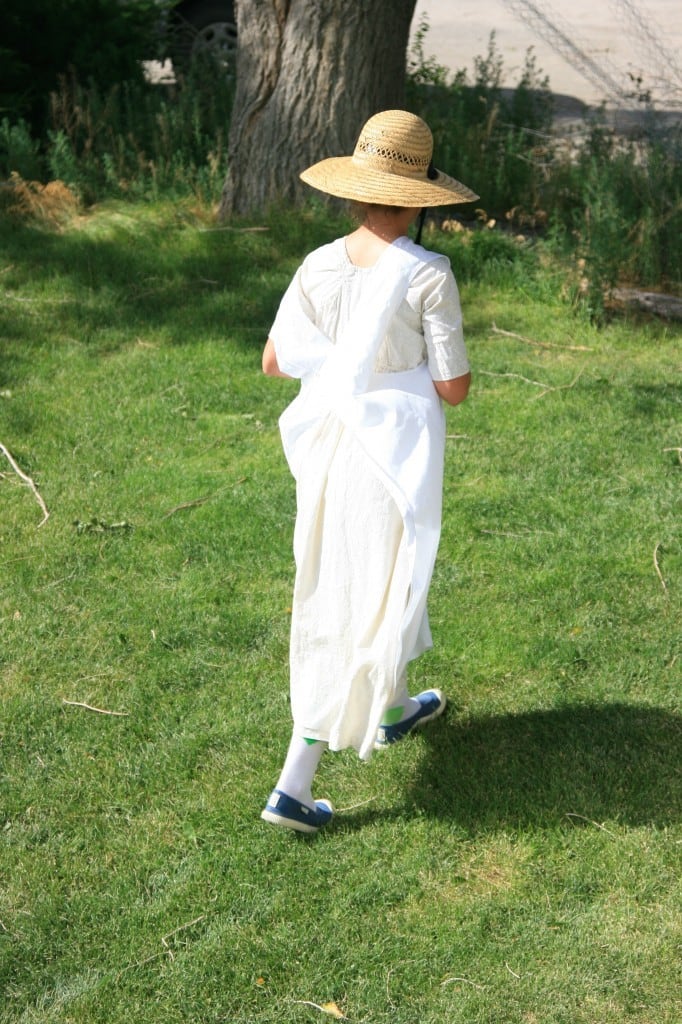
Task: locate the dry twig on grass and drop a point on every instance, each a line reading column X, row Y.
column 166, row 951
column 515, row 376
column 464, row 981
column 536, row 383
column 238, row 231
column 89, row 707
column 538, row 344
column 186, row 504
column 176, row 931
column 657, row 568
column 331, row 1009
column 353, row 807
column 571, row 814
column 29, row 482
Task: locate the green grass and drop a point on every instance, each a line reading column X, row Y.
column 519, row 861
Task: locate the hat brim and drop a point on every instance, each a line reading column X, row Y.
column 344, row 177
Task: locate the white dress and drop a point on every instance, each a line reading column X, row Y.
column 364, row 440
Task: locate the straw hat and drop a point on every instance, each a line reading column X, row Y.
column 391, row 165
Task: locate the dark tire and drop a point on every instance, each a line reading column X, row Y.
column 204, row 28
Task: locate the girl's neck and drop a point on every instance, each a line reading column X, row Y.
column 364, row 246
column 385, row 228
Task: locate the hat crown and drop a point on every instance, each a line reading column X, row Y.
column 396, row 142
column 391, row 165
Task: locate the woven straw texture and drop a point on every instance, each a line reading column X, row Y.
column 391, row 165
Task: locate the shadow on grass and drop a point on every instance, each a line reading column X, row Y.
column 577, row 764
column 133, row 273
column 615, row 762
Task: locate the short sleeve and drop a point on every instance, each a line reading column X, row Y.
column 300, row 346
column 442, row 321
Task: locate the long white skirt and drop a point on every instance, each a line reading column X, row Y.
column 352, row 586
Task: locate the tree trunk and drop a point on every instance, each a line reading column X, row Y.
column 309, row 74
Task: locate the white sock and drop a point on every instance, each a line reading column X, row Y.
column 402, row 707
column 299, row 768
column 399, row 712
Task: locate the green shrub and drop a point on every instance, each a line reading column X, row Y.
column 489, row 256
column 618, row 205
column 486, row 135
column 614, row 204
column 19, row 152
column 138, row 139
column 101, row 41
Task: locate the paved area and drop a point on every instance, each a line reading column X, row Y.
column 604, row 31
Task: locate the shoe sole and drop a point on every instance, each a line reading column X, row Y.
column 273, row 818
column 296, row 826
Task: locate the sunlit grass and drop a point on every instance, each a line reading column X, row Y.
column 518, row 861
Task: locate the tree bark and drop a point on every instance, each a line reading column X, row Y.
column 309, row 74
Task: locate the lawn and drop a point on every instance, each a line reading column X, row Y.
column 516, row 863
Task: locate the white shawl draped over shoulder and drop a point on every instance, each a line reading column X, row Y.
column 394, row 425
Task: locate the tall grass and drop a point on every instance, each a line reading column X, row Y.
column 485, row 134
column 139, row 140
column 613, row 204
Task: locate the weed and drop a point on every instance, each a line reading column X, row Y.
column 52, row 204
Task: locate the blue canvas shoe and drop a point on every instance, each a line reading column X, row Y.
column 283, row 810
column 432, row 704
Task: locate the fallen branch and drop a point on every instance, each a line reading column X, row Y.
column 202, row 501
column 238, row 231
column 656, row 566
column 516, row 376
column 538, row 344
column 6, row 930
column 354, row 807
column 176, row 931
column 515, row 536
column 679, row 453
column 536, row 383
column 563, row 387
column 667, row 306
column 89, row 707
column 186, row 504
column 27, row 480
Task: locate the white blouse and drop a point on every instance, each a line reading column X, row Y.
column 426, row 329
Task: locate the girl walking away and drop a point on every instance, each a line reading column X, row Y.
column 372, row 327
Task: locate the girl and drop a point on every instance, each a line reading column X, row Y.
column 371, row 325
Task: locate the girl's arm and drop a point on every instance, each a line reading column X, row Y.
column 270, row 364
column 455, row 390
